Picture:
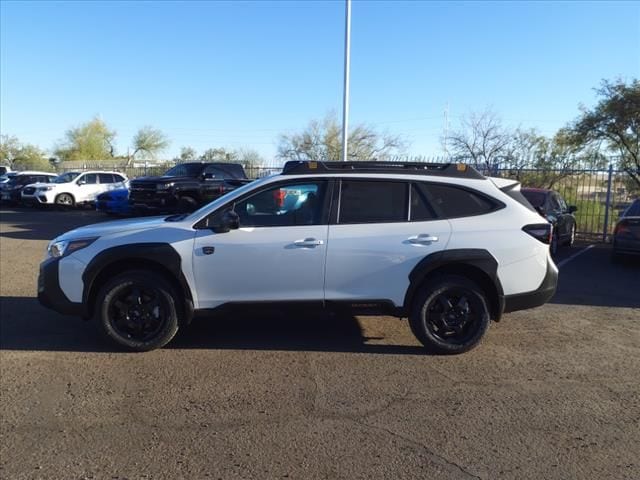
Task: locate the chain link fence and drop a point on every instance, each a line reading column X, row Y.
column 600, row 195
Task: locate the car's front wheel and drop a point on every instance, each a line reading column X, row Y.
column 65, row 200
column 450, row 314
column 137, row 310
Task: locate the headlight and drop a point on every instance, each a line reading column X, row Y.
column 164, row 186
column 44, row 189
column 67, row 247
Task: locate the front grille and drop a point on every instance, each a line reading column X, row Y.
column 143, row 187
column 29, row 190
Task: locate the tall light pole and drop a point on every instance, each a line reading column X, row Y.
column 345, row 96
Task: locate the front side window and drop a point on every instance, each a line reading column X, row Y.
column 90, row 178
column 364, row 201
column 283, row 206
column 453, row 202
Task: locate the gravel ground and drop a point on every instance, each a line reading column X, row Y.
column 552, row 392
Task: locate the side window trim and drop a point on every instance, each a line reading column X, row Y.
column 326, row 204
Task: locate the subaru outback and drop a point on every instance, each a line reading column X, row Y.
column 439, row 244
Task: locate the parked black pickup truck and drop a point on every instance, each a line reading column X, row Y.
column 185, row 187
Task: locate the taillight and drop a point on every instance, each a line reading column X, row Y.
column 621, row 228
column 542, row 232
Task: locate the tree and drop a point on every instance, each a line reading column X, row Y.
column 322, row 141
column 482, row 139
column 187, row 154
column 148, row 142
column 90, row 141
column 613, row 123
column 21, row 156
column 219, row 155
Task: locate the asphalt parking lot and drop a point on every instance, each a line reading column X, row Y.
column 551, row 393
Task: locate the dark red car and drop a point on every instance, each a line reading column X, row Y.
column 552, row 206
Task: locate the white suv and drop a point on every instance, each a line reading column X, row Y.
column 73, row 188
column 437, row 243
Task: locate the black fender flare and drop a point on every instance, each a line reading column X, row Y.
column 162, row 255
column 478, row 259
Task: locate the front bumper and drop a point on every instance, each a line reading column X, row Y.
column 540, row 296
column 38, row 197
column 50, row 294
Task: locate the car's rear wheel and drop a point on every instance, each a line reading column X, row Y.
column 572, row 236
column 137, row 310
column 450, row 314
column 65, row 200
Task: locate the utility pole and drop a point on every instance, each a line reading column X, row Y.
column 446, row 129
column 345, row 96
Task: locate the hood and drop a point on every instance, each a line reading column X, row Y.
column 116, row 226
column 42, row 184
column 160, row 179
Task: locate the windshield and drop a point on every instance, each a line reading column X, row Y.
column 7, row 177
column 535, row 198
column 66, row 177
column 633, row 210
column 226, row 197
column 185, row 170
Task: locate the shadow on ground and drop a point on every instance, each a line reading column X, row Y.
column 593, row 278
column 25, row 325
column 45, row 223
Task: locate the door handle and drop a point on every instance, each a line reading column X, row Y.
column 423, row 238
column 308, row 242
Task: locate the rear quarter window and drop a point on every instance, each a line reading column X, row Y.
column 453, row 202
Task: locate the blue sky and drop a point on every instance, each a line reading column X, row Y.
column 238, row 74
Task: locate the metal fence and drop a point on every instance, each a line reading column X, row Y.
column 600, row 195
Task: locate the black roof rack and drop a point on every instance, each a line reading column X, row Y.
column 460, row 170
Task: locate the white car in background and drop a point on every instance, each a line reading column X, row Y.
column 73, row 188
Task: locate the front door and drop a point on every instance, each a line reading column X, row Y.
column 277, row 254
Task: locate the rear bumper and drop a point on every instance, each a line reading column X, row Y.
column 540, row 296
column 627, row 246
column 50, row 294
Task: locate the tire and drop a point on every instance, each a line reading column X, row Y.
column 555, row 244
column 187, row 204
column 450, row 315
column 572, row 236
column 65, row 200
column 137, row 310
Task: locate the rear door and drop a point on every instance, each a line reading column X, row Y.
column 382, row 229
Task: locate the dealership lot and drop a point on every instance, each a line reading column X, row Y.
column 552, row 392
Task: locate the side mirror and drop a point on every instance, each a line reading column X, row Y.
column 230, row 221
column 81, row 182
column 572, row 209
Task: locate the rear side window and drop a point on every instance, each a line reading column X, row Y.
column 105, row 178
column 225, row 171
column 452, row 202
column 90, row 178
column 421, row 209
column 373, row 202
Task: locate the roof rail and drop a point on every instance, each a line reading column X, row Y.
column 460, row 170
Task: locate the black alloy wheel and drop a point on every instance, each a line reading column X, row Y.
column 137, row 310
column 450, row 314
